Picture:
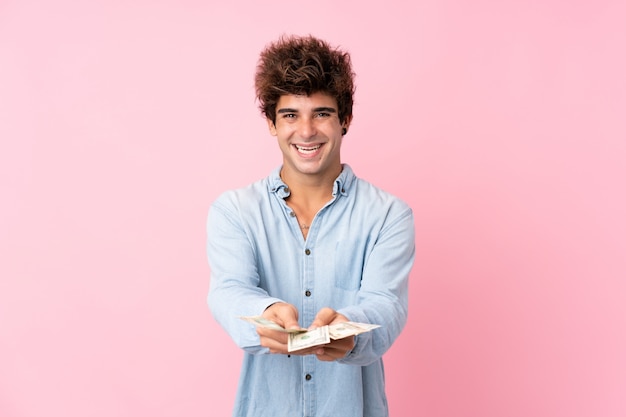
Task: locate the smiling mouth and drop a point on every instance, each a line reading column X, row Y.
column 307, row 150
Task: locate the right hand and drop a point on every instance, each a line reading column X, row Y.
column 285, row 315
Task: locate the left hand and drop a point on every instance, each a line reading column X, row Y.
column 336, row 349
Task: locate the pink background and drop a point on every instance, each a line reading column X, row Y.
column 502, row 123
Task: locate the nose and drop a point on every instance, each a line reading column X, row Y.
column 306, row 128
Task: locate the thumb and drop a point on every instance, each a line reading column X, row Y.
column 284, row 314
column 324, row 316
column 290, row 323
column 290, row 318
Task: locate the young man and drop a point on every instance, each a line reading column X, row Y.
column 308, row 246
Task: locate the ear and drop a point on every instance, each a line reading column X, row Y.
column 271, row 126
column 346, row 124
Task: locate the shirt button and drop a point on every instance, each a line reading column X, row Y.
column 292, row 213
column 343, row 190
column 307, row 293
column 308, row 377
column 307, row 251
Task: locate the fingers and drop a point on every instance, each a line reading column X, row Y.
column 308, row 351
column 324, row 317
column 268, row 335
column 275, row 341
column 336, row 349
column 284, row 314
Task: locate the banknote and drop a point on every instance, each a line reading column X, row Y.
column 322, row 335
column 303, row 338
column 260, row 321
column 315, row 337
column 349, row 328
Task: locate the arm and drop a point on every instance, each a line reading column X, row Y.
column 383, row 295
column 234, row 287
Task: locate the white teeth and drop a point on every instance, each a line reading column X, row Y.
column 307, row 150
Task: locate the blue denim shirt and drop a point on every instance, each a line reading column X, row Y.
column 356, row 259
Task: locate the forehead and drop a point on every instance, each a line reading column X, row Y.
column 304, row 103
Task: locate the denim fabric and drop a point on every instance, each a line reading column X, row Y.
column 356, row 259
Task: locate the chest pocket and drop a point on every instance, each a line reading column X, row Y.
column 349, row 259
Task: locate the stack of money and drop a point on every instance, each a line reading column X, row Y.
column 303, row 338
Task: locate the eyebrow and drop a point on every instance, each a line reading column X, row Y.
column 315, row 110
column 324, row 109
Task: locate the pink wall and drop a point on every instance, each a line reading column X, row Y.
column 501, row 123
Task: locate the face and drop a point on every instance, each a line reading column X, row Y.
column 309, row 134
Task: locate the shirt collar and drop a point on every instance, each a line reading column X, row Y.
column 276, row 184
column 342, row 184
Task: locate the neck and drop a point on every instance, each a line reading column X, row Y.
column 310, row 190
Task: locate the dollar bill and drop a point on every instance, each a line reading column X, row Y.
column 349, row 328
column 315, row 337
column 303, row 338
column 260, row 321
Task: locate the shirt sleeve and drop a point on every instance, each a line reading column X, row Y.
column 234, row 286
column 383, row 296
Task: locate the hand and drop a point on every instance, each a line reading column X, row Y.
column 336, row 349
column 285, row 315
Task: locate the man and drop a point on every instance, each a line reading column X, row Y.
column 310, row 245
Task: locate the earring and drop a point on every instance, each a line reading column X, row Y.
column 344, row 131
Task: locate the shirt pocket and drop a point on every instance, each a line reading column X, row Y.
column 348, row 257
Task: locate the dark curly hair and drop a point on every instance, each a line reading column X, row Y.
column 303, row 66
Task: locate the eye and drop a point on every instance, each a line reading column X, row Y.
column 322, row 115
column 289, row 116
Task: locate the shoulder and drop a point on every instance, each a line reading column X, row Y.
column 238, row 199
column 236, row 208
column 377, row 198
column 256, row 191
column 251, row 191
column 377, row 209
